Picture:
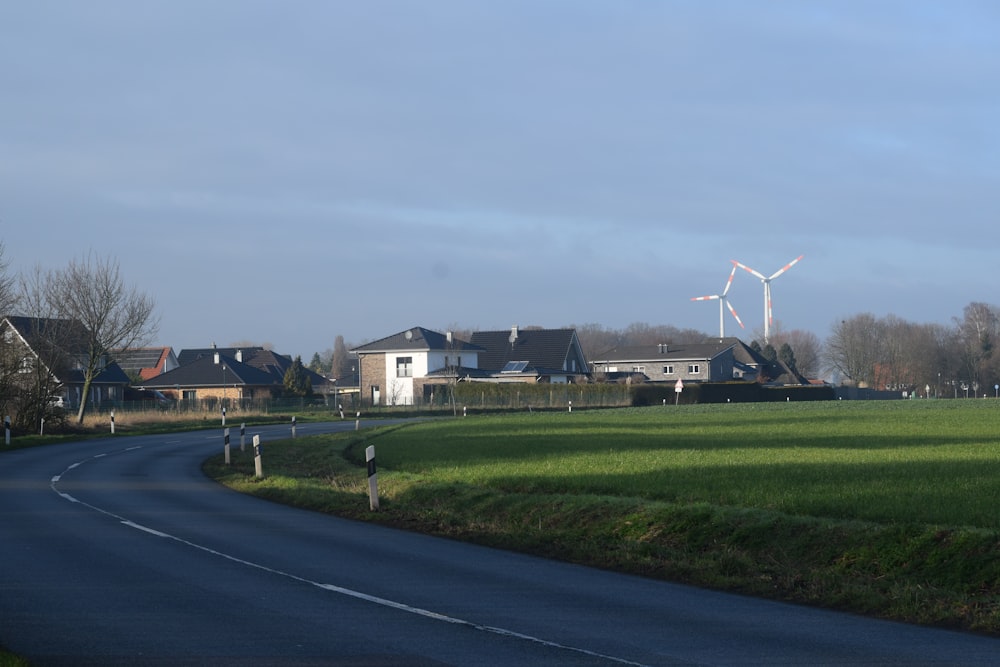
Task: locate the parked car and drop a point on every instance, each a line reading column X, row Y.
column 146, row 396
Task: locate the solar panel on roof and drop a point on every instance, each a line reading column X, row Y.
column 515, row 367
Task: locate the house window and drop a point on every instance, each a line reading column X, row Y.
column 694, row 369
column 638, row 369
column 668, row 369
column 404, row 367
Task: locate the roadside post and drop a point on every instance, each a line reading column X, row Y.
column 357, row 422
column 243, row 437
column 6, row 430
column 293, row 427
column 112, row 422
column 257, row 450
column 223, row 415
column 225, row 439
column 341, row 408
column 41, row 427
column 571, row 406
column 678, row 388
column 372, row 478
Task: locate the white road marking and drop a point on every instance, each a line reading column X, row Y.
column 340, row 590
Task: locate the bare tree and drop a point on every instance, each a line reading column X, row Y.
column 35, row 357
column 7, row 282
column 854, row 348
column 978, row 335
column 340, row 361
column 806, row 347
column 113, row 316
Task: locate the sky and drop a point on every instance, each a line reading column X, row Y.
column 287, row 172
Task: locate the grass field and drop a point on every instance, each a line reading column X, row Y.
column 884, row 508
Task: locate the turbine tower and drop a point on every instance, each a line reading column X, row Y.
column 768, row 314
column 723, row 301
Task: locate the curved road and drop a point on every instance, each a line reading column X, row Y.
column 119, row 551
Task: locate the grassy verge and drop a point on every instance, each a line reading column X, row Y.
column 8, row 659
column 881, row 509
column 140, row 423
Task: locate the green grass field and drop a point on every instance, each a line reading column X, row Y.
column 884, row 508
column 926, row 462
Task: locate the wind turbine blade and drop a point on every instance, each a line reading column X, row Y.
column 786, row 267
column 729, row 283
column 733, row 311
column 767, row 295
column 706, row 298
column 747, row 268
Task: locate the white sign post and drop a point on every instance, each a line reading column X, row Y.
column 257, row 464
column 678, row 388
column 372, row 478
column 225, row 439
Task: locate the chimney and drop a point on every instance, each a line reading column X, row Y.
column 447, row 337
column 239, row 356
column 513, row 335
column 216, row 358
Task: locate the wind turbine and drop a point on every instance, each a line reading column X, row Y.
column 768, row 316
column 723, row 301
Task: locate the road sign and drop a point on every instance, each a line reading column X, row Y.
column 679, row 386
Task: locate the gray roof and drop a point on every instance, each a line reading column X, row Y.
column 417, row 339
column 547, row 351
column 204, row 372
column 53, row 339
column 674, row 352
column 259, row 368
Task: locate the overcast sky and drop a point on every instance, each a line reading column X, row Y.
column 285, row 172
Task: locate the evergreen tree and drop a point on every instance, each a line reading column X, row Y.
column 296, row 381
column 787, row 356
column 316, row 364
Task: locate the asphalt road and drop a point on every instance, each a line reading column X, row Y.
column 119, row 551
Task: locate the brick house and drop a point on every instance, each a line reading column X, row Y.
column 228, row 374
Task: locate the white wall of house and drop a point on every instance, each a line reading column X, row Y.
column 400, row 369
column 399, row 373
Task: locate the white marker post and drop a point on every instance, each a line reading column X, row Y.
column 293, row 427
column 243, row 437
column 41, row 427
column 223, row 415
column 112, row 422
column 225, row 439
column 257, row 450
column 357, row 422
column 372, row 478
column 571, row 406
column 6, row 429
column 341, row 408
